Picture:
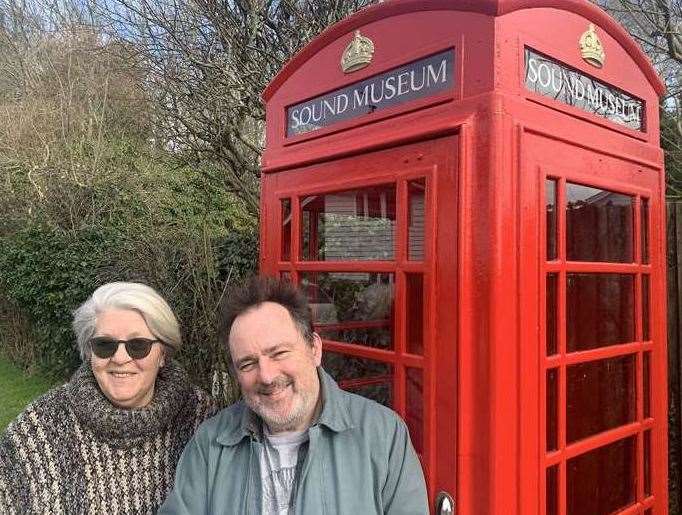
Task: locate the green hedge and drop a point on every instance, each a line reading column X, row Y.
column 46, row 274
column 143, row 218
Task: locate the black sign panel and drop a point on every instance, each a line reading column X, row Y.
column 553, row 79
column 418, row 79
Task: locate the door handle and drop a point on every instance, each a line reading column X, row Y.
column 445, row 504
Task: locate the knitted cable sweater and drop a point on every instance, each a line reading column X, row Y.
column 73, row 452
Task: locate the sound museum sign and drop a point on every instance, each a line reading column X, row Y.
column 553, row 79
column 419, row 79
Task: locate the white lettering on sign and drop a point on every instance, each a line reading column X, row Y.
column 560, row 82
column 415, row 80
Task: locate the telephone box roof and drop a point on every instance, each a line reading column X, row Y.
column 489, row 7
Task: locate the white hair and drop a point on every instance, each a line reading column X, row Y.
column 137, row 297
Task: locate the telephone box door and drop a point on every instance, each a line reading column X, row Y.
column 359, row 235
column 599, row 243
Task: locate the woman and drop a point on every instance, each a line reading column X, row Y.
column 108, row 440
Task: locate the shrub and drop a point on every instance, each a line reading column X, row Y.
column 43, row 274
column 142, row 218
column 88, row 197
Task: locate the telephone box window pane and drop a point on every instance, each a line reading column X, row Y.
column 599, row 225
column 551, row 211
column 285, row 276
column 355, row 225
column 352, row 307
column 416, row 215
column 646, row 380
column 552, row 404
column 552, row 490
column 286, row 229
column 645, row 308
column 414, row 409
column 366, row 377
column 599, row 310
column 551, row 311
column 602, row 481
column 306, row 233
column 600, row 395
column 415, row 313
column 644, row 221
column 647, row 463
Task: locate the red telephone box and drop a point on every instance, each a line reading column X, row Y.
column 472, row 195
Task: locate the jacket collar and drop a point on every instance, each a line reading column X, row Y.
column 335, row 414
column 241, row 422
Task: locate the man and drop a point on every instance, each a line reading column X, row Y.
column 296, row 443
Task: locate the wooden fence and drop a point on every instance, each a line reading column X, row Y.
column 674, row 224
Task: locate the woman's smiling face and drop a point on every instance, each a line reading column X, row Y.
column 126, row 382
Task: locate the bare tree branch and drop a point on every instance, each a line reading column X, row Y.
column 206, row 63
column 657, row 26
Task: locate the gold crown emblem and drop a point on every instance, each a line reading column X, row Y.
column 357, row 54
column 591, row 48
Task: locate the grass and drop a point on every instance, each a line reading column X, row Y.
column 17, row 389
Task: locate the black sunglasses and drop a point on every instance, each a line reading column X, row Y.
column 137, row 348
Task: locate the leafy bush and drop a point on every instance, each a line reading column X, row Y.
column 88, row 196
column 143, row 218
column 44, row 273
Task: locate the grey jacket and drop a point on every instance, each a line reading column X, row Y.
column 359, row 461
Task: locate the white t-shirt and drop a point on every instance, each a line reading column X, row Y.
column 278, row 470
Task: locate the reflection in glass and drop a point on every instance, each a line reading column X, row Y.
column 307, row 236
column 552, row 490
column 415, row 313
column 551, row 318
column 414, row 408
column 366, row 377
column 352, row 307
column 600, row 395
column 646, row 380
column 599, row 310
column 647, row 463
column 645, row 308
column 286, row 229
column 602, row 481
column 552, row 405
column 286, row 276
column 599, row 225
column 551, row 217
column 355, row 225
column 416, row 216
column 644, row 221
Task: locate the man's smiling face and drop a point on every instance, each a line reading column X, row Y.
column 275, row 366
